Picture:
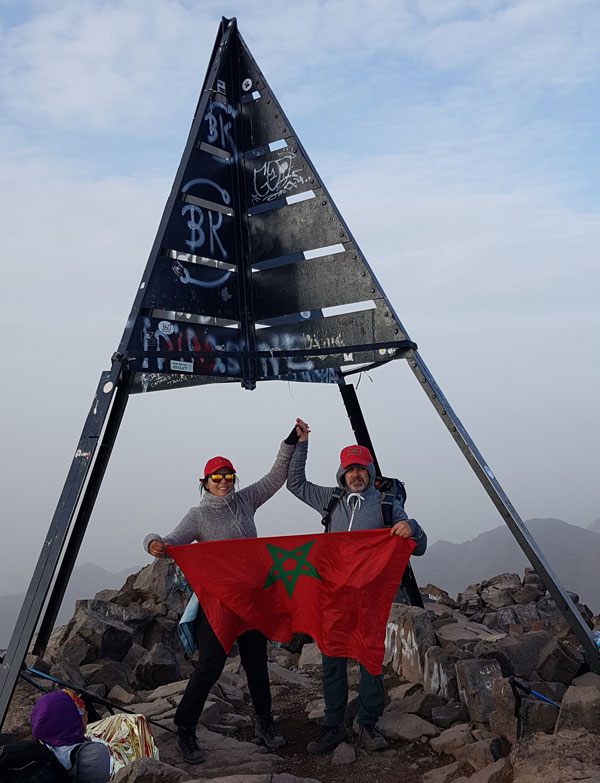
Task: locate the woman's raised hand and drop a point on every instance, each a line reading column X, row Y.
column 302, row 430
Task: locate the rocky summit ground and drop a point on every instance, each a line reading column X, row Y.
column 452, row 713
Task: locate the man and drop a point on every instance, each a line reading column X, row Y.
column 358, row 509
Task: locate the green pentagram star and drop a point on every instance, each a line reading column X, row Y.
column 289, row 578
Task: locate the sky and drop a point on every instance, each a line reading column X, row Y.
column 458, row 138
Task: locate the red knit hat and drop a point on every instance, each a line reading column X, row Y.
column 213, row 465
column 355, row 455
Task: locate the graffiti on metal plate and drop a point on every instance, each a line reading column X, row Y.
column 219, row 118
column 275, row 178
column 200, row 232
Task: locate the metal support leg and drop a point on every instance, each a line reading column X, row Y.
column 505, row 507
column 357, row 420
column 359, row 425
column 83, row 514
column 56, row 537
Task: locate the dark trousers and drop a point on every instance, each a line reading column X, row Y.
column 208, row 668
column 371, row 693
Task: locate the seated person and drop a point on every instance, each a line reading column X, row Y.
column 58, row 722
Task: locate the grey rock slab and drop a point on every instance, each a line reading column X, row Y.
column 280, row 675
column 406, row 689
column 119, row 695
column 475, row 678
column 145, row 770
column 580, row 708
column 442, row 774
column 452, row 738
column 343, row 754
column 498, row 772
column 589, row 679
column 310, row 657
column 476, row 754
column 411, row 728
column 165, row 691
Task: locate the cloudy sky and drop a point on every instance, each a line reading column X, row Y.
column 459, row 138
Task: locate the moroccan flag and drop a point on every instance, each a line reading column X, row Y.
column 336, row 587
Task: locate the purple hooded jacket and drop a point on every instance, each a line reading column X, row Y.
column 56, row 721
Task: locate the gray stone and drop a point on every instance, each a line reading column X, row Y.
column 498, row 772
column 414, row 636
column 442, row 774
column 536, row 716
column 110, row 637
column 109, row 674
column 157, row 667
column 452, row 738
column 280, row 675
column 406, row 689
column 475, row 679
column 119, row 695
column 411, row 728
column 449, row 714
column 135, row 654
column 476, row 754
column 580, row 708
column 503, row 722
column 165, row 691
column 439, row 673
column 160, row 630
column 589, row 679
column 146, row 770
column 418, row 704
column 310, row 657
column 343, row 754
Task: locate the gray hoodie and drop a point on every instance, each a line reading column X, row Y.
column 355, row 511
column 231, row 516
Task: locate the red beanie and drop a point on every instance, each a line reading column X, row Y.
column 355, row 455
column 213, row 465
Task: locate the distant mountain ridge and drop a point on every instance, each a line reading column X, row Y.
column 595, row 525
column 86, row 580
column 572, row 552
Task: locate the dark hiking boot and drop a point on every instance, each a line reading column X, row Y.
column 265, row 731
column 371, row 738
column 188, row 745
column 328, row 739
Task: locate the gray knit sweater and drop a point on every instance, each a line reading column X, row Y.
column 355, row 511
column 218, row 518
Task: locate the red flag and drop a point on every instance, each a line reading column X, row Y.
column 338, row 588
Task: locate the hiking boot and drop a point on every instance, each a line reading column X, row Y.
column 328, row 739
column 371, row 738
column 188, row 745
column 264, row 730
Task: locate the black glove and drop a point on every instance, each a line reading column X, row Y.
column 292, row 438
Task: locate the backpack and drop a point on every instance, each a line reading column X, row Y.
column 30, row 762
column 392, row 490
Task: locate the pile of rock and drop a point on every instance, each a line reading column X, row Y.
column 447, row 667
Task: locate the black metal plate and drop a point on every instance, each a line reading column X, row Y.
column 192, row 288
column 311, row 285
column 294, row 228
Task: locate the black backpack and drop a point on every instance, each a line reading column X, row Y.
column 30, row 762
column 392, row 490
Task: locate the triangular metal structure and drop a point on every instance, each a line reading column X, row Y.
column 253, row 276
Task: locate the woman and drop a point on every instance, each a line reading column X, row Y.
column 224, row 513
column 58, row 720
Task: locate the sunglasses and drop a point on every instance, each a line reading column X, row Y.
column 216, row 477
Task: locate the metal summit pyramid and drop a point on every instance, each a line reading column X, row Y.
column 253, row 276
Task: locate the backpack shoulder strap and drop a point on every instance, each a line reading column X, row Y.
column 337, row 494
column 387, row 508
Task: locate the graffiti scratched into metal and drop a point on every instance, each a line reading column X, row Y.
column 275, row 178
